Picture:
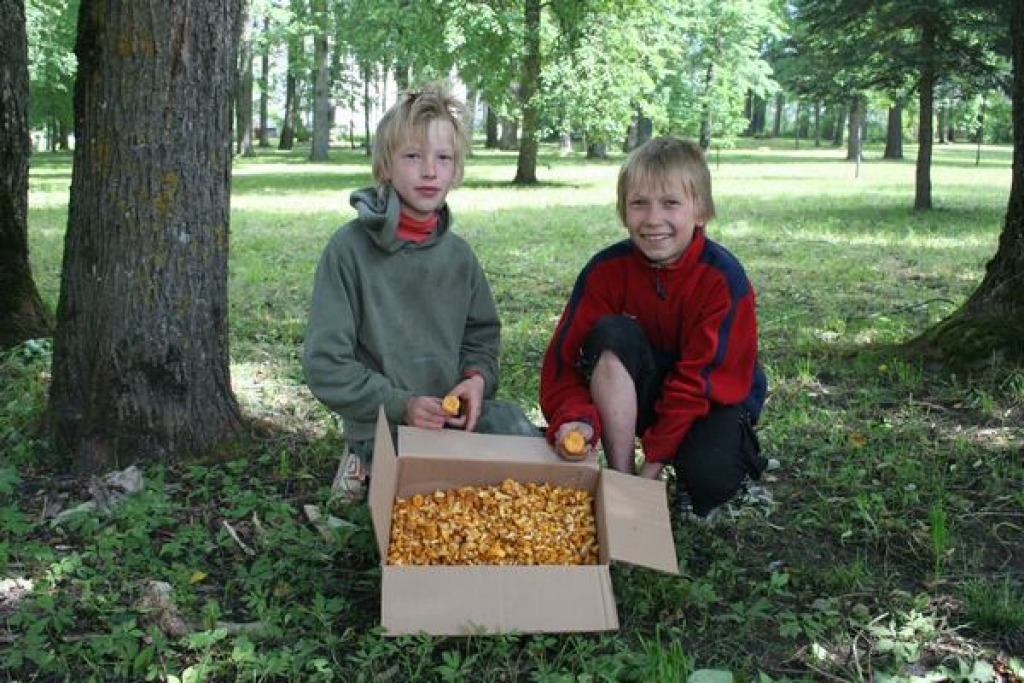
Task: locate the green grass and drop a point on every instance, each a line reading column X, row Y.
column 894, row 548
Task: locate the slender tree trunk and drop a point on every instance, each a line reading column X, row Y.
column 22, row 314
column 367, row 106
column 140, row 360
column 780, row 103
column 704, row 137
column 894, row 132
column 243, row 100
column 472, row 102
column 320, row 148
column 265, row 88
column 526, row 168
column 837, row 134
column 817, row 123
column 926, row 91
column 493, row 140
column 854, row 145
column 287, row 139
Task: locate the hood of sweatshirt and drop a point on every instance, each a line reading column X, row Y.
column 378, row 215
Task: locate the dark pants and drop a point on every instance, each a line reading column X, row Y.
column 718, row 452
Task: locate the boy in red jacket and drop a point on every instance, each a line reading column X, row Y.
column 659, row 339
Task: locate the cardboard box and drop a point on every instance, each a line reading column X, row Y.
column 632, row 526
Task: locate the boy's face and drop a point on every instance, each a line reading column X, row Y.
column 423, row 171
column 661, row 218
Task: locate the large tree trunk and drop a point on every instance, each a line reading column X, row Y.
column 894, row 133
column 926, row 93
column 526, row 167
column 22, row 314
column 140, row 360
column 989, row 323
column 319, row 150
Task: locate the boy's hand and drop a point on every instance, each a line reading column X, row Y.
column 568, row 446
column 651, row 470
column 425, row 412
column 470, row 393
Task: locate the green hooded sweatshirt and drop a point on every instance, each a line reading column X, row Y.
column 391, row 319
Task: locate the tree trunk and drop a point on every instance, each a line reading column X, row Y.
column 780, row 103
column 367, row 105
column 140, row 359
column 243, row 100
column 894, row 132
column 854, row 144
column 597, row 150
column 472, row 102
column 265, row 87
column 509, row 134
column 526, row 167
column 492, row 140
column 320, row 147
column 989, row 325
column 704, row 136
column 287, row 139
column 22, row 314
column 926, row 92
column 837, row 134
column 817, row 123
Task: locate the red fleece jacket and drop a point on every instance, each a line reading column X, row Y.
column 701, row 309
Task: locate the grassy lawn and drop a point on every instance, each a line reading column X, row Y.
column 893, row 550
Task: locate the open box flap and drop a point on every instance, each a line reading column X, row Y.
column 636, row 524
column 383, row 479
column 480, row 600
column 455, row 443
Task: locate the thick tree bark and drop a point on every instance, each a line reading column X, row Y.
column 991, row 322
column 22, row 314
column 894, row 133
column 526, row 167
column 141, row 362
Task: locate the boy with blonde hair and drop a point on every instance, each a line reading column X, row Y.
column 659, row 339
column 402, row 313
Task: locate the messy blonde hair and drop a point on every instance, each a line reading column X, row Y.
column 408, row 120
column 663, row 161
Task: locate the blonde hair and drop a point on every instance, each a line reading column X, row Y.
column 664, row 160
column 408, row 119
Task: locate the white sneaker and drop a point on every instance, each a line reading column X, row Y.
column 352, row 480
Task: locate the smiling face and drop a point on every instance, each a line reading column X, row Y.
column 423, row 170
column 663, row 194
column 661, row 219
